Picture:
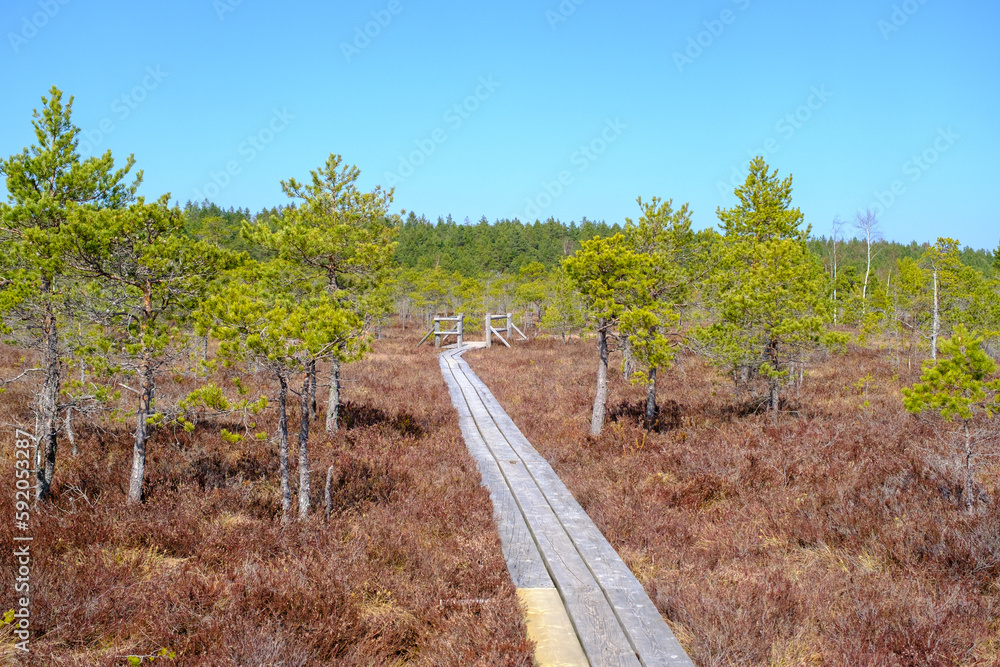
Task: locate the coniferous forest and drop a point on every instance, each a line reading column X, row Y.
column 237, row 452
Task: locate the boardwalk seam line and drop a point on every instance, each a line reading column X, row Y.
column 520, row 508
column 576, row 546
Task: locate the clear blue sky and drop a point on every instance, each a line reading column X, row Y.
column 903, row 94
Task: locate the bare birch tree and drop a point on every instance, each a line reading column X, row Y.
column 867, row 224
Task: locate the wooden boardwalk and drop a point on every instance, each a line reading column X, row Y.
column 584, row 606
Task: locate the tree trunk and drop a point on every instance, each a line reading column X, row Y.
column 651, row 399
column 286, row 490
column 628, row 360
column 327, row 498
column 775, row 393
column 313, row 413
column 304, row 452
column 936, row 327
column 741, row 376
column 333, row 404
column 146, row 388
column 69, row 430
column 868, row 270
column 48, row 407
column 834, row 280
column 597, row 418
column 969, row 488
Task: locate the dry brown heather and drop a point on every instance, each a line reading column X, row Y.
column 206, row 569
column 832, row 538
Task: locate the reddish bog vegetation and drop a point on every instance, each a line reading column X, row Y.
column 830, row 538
column 407, row 570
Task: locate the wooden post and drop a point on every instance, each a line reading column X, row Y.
column 461, row 329
column 489, row 326
column 437, row 332
column 510, row 326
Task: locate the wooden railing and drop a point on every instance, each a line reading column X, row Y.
column 440, row 334
column 494, row 325
column 508, row 328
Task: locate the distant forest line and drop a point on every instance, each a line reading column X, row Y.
column 506, row 246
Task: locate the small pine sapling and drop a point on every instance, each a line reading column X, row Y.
column 958, row 387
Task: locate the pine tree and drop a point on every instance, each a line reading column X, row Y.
column 768, row 289
column 665, row 237
column 531, row 291
column 958, row 387
column 347, row 239
column 615, row 283
column 958, row 294
column 563, row 307
column 146, row 279
column 46, row 183
column 260, row 317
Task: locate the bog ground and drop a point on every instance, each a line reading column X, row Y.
column 831, row 537
column 408, row 570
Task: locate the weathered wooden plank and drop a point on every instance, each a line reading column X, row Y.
column 600, row 633
column 524, row 562
column 598, row 628
column 548, row 625
column 429, row 334
column 647, row 632
column 497, row 334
